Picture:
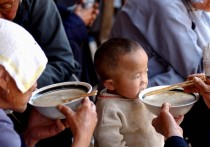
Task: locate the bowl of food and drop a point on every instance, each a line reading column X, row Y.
column 180, row 102
column 46, row 99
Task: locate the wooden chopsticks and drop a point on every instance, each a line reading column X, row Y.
column 94, row 92
column 174, row 86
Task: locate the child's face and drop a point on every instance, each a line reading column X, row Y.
column 131, row 74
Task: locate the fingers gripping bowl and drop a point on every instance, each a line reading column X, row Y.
column 46, row 99
column 180, row 102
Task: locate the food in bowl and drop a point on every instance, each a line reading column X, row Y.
column 57, row 97
column 180, row 102
column 46, row 99
column 175, row 98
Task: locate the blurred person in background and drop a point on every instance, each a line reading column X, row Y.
column 78, row 17
column 173, row 33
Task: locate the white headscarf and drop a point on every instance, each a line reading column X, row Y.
column 20, row 55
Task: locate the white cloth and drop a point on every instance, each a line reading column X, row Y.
column 20, row 55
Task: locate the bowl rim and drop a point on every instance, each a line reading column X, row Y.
column 57, row 85
column 141, row 94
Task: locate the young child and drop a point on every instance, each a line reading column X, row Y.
column 123, row 120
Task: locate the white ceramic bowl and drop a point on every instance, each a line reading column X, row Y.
column 181, row 102
column 47, row 98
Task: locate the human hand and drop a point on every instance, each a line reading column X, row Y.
column 88, row 15
column 199, row 86
column 166, row 124
column 41, row 127
column 205, row 5
column 82, row 122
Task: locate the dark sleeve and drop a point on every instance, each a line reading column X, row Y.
column 175, row 141
column 45, row 25
column 74, row 26
column 22, row 141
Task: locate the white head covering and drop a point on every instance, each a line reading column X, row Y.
column 20, row 55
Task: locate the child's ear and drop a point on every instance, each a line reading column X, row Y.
column 109, row 84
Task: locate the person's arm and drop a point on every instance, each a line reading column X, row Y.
column 40, row 127
column 42, row 19
column 82, row 122
column 168, row 126
column 175, row 141
column 74, row 27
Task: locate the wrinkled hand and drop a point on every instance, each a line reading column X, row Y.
column 41, row 127
column 88, row 15
column 82, row 122
column 201, row 87
column 166, row 124
column 205, row 6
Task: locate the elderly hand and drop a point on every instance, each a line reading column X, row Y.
column 166, row 124
column 205, row 5
column 41, row 127
column 82, row 122
column 199, row 86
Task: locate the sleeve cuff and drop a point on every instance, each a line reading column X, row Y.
column 175, row 141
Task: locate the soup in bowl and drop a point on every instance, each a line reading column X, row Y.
column 180, row 102
column 46, row 99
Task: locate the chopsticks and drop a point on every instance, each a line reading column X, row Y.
column 94, row 92
column 174, row 86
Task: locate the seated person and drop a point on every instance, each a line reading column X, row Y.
column 42, row 20
column 19, row 51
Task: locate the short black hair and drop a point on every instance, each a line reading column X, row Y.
column 106, row 58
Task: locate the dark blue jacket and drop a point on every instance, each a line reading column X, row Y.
column 78, row 36
column 175, row 141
